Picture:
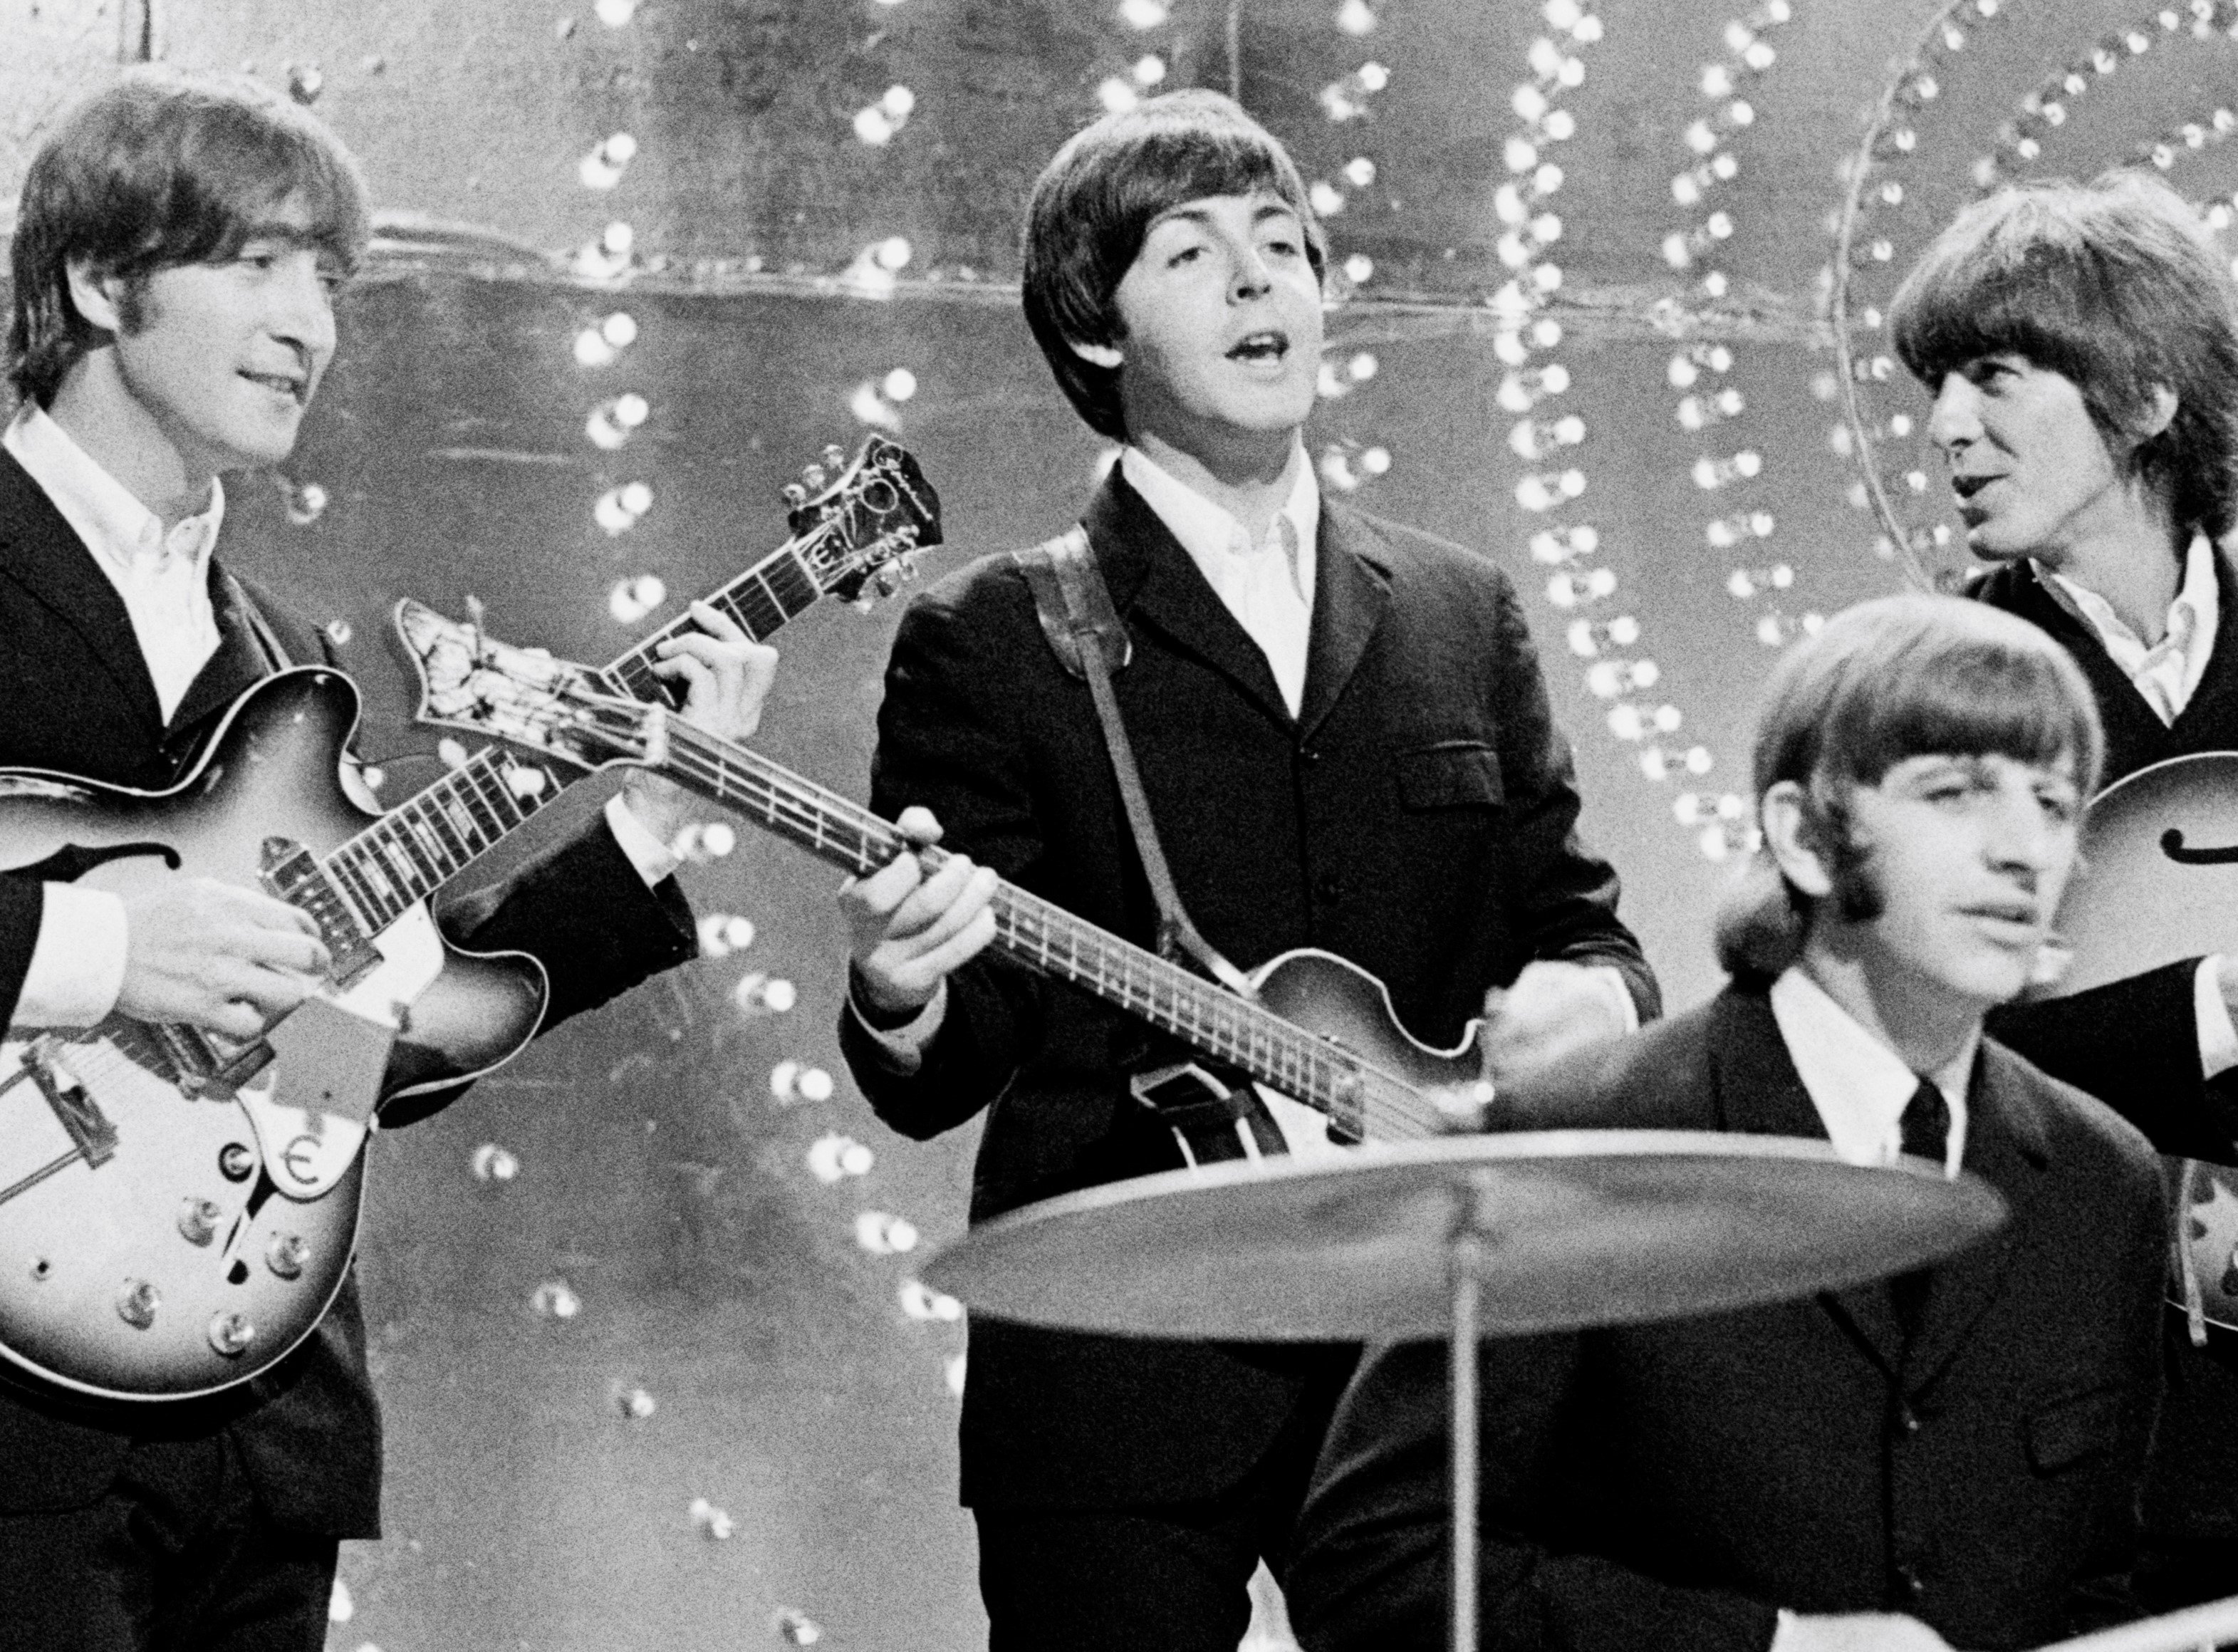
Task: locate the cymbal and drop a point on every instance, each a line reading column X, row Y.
column 1576, row 1228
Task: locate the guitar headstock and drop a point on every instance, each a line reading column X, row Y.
column 863, row 522
column 472, row 682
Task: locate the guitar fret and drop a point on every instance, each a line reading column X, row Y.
column 426, row 829
column 399, row 844
column 435, row 822
column 363, row 877
column 462, row 822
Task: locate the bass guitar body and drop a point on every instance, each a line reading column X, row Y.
column 172, row 1224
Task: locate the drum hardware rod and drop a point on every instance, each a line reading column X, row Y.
column 1467, row 1255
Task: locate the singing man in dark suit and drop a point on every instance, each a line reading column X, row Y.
column 2082, row 344
column 175, row 257
column 1950, row 1457
column 1345, row 742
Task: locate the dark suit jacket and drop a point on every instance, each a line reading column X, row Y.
column 1417, row 818
column 1672, row 1485
column 75, row 696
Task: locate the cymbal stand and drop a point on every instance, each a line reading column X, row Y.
column 1468, row 1253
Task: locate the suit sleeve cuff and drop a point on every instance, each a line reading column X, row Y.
column 77, row 963
column 1611, row 980
column 653, row 860
column 2218, row 1039
column 902, row 1048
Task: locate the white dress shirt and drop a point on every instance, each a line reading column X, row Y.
column 1267, row 586
column 1858, row 1084
column 77, row 961
column 2167, row 674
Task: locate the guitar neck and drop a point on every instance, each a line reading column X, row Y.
column 417, row 848
column 1231, row 1030
column 779, row 589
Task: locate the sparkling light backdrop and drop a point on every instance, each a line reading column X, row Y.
column 1606, row 294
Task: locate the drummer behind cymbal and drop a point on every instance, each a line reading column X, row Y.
column 1949, row 1458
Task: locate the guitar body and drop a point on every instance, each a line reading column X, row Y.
column 177, row 1216
column 2157, row 880
column 1338, row 1002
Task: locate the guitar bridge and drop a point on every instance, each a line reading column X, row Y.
column 82, row 1119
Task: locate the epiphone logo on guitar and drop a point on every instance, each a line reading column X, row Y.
column 180, row 1211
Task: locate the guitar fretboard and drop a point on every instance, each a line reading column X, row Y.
column 1362, row 1100
column 777, row 589
column 418, row 846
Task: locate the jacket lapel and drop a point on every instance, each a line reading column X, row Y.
column 2213, row 705
column 1351, row 595
column 1759, row 1093
column 42, row 552
column 1152, row 579
column 2006, row 1146
column 240, row 660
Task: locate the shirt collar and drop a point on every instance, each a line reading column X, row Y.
column 116, row 528
column 1205, row 530
column 2198, row 595
column 1858, row 1084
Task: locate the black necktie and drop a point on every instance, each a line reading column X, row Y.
column 1926, row 1125
column 1925, row 1129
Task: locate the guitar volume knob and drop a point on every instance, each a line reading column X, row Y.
column 198, row 1220
column 287, row 1255
column 136, row 1306
column 236, row 1162
column 231, row 1334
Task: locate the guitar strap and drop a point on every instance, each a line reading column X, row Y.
column 1213, row 1117
column 1074, row 605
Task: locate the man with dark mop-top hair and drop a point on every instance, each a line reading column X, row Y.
column 176, row 254
column 1343, row 740
column 2082, row 346
column 1949, row 1458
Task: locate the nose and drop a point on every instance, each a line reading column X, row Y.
column 1956, row 418
column 2025, row 840
column 303, row 309
column 1248, row 275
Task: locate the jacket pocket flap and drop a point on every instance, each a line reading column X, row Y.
column 2065, row 1431
column 1451, row 774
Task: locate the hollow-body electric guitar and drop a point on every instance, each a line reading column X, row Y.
column 177, row 1211
column 2157, row 880
column 1315, row 1033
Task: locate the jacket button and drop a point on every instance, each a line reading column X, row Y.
column 1908, row 1578
column 1308, row 756
column 1909, row 1419
column 1330, row 887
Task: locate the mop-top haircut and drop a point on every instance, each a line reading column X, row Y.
column 1900, row 677
column 2116, row 286
column 1094, row 205
column 165, row 168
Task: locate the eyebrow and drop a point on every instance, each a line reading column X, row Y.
column 1196, row 215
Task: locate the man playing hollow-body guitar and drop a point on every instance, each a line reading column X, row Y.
column 2082, row 344
column 175, row 261
column 1344, row 741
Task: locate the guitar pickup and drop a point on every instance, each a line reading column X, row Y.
column 82, row 1119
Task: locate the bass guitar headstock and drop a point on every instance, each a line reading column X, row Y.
column 861, row 523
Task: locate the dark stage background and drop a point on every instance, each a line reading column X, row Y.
column 656, row 1369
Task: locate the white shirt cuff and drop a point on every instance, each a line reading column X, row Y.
column 904, row 1046
column 2218, row 1039
column 1611, row 980
column 77, row 963
column 1781, row 1635
column 653, row 860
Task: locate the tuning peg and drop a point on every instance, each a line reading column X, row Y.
column 795, row 495
column 813, row 475
column 835, row 457
column 886, row 578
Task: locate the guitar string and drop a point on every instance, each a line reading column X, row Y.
column 1042, row 931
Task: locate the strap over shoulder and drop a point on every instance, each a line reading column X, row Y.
column 1071, row 600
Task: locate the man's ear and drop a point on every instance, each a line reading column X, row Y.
column 2159, row 413
column 1097, row 354
column 96, row 294
column 1791, row 838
